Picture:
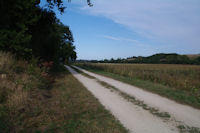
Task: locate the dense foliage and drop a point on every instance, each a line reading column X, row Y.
column 29, row 31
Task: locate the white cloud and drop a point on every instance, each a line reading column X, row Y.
column 173, row 22
column 120, row 39
column 112, row 38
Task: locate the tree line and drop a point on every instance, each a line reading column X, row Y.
column 27, row 31
column 160, row 58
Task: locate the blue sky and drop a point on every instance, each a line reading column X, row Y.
column 120, row 29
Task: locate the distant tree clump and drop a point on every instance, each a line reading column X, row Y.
column 156, row 59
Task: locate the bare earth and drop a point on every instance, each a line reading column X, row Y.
column 134, row 117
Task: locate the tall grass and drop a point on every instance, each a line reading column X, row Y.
column 31, row 102
column 19, row 80
column 178, row 77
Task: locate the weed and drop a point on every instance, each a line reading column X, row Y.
column 187, row 129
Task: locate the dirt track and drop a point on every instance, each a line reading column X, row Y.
column 134, row 117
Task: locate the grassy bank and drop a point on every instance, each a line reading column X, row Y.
column 33, row 100
column 81, row 111
column 22, row 86
column 149, row 77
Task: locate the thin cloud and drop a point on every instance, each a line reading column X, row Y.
column 169, row 22
column 120, row 39
column 112, row 38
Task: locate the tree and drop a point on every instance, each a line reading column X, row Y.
column 27, row 30
column 59, row 4
column 16, row 17
column 51, row 39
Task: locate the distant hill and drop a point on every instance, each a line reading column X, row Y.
column 160, row 58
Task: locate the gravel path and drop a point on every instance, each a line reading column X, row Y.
column 133, row 117
column 181, row 113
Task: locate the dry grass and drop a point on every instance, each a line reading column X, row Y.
column 178, row 82
column 29, row 103
column 77, row 110
column 186, row 77
column 6, row 62
column 17, row 99
column 18, row 81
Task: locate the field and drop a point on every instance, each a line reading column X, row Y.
column 178, row 82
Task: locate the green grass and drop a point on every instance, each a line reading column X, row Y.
column 178, row 95
column 78, row 110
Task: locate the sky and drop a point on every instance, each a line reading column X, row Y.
column 126, row 28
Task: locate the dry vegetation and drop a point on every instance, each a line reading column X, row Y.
column 185, row 77
column 177, row 78
column 80, row 111
column 22, row 86
column 31, row 101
